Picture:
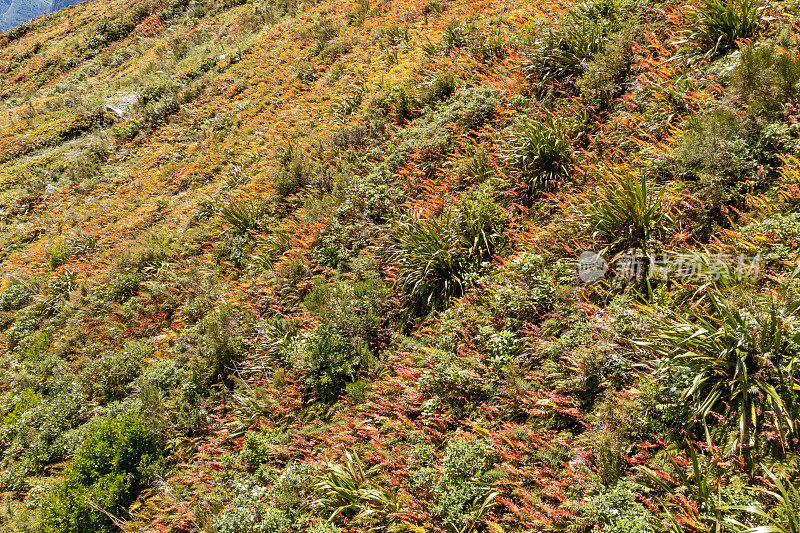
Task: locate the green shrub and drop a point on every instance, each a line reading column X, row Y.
column 539, row 157
column 437, row 88
column 109, row 377
column 221, row 347
column 721, row 23
column 158, row 100
column 114, row 464
column 357, row 308
column 243, row 216
column 765, row 79
column 618, row 510
column 524, row 291
column 452, row 383
column 293, row 486
column 64, row 250
column 733, row 368
column 41, row 433
column 15, row 297
column 258, row 446
column 565, row 50
column 463, row 492
column 604, row 77
column 717, row 144
column 293, row 175
column 330, row 361
column 246, row 514
column 121, row 286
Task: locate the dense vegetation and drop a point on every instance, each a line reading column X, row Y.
column 302, row 265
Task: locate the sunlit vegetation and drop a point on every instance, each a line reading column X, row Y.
column 302, row 266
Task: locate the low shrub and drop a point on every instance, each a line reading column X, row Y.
column 109, row 377
column 765, row 79
column 258, row 446
column 15, row 297
column 293, row 175
column 618, row 510
column 221, row 346
column 463, row 492
column 64, row 250
column 114, row 464
column 565, row 50
column 330, row 360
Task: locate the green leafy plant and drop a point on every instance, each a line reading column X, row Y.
column 437, row 257
column 114, row 464
column 463, row 493
column 784, row 517
column 243, row 216
column 705, row 507
column 563, row 52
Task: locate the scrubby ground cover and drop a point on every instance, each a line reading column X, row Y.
column 246, row 292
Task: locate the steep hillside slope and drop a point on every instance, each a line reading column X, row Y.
column 286, row 265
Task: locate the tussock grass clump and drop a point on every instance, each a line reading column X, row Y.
column 539, row 157
column 437, row 258
column 628, row 213
column 721, row 24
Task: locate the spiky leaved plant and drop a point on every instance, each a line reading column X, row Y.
column 741, row 369
column 722, row 23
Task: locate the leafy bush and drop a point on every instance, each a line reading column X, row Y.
column 64, row 250
column 524, row 291
column 158, row 100
column 352, row 492
column 765, row 79
column 721, row 23
column 437, row 88
column 605, row 75
column 717, row 144
column 330, row 361
column 437, row 258
column 258, row 446
column 221, row 346
column 246, row 514
column 293, row 174
column 452, row 383
column 113, row 465
column 15, row 297
column 40, row 432
column 243, row 216
column 293, row 486
column 538, row 156
column 618, row 509
column 109, row 377
column 463, row 493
